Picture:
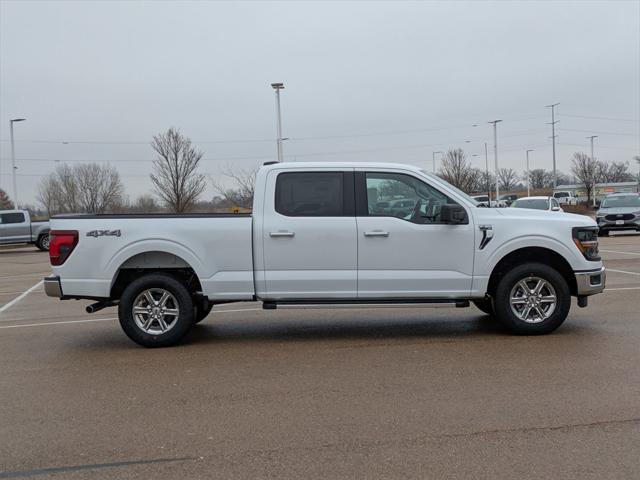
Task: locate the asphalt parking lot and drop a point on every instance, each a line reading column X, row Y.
column 385, row 393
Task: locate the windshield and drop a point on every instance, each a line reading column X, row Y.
column 621, row 201
column 560, row 194
column 439, row 180
column 533, row 203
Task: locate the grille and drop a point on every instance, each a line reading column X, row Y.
column 619, row 216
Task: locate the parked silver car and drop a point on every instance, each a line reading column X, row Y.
column 619, row 211
column 16, row 227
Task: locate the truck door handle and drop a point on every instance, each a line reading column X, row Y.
column 376, row 233
column 281, row 234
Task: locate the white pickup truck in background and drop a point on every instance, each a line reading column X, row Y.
column 16, row 227
column 330, row 234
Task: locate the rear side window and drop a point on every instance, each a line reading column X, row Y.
column 12, row 218
column 312, row 194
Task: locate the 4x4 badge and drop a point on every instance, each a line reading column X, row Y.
column 103, row 233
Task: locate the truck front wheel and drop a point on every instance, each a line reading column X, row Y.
column 156, row 310
column 532, row 299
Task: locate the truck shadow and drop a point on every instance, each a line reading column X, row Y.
column 341, row 328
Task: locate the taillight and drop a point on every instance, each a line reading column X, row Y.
column 586, row 239
column 61, row 244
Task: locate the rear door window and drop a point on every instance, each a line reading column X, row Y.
column 314, row 194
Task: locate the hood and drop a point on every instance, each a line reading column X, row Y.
column 614, row 210
column 545, row 215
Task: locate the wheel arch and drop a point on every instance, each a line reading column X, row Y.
column 153, row 261
column 532, row 255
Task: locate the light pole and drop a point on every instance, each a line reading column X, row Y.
column 277, row 87
column 528, row 175
column 495, row 154
column 433, row 157
column 592, row 160
column 486, row 162
column 553, row 138
column 13, row 160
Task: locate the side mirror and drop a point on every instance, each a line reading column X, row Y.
column 555, row 209
column 453, row 214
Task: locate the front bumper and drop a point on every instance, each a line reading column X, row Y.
column 591, row 282
column 629, row 224
column 52, row 286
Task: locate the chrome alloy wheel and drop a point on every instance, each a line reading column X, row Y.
column 533, row 299
column 155, row 311
column 45, row 242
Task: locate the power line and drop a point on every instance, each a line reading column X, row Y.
column 601, row 118
column 601, row 133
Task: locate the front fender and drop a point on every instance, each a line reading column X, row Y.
column 571, row 255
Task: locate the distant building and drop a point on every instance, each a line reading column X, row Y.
column 601, row 189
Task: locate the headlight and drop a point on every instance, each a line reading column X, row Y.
column 586, row 239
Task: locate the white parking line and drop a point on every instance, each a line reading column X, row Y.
column 87, row 320
column 623, row 253
column 623, row 271
column 20, row 297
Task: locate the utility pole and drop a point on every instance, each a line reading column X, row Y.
column 495, row 154
column 486, row 162
column 593, row 160
column 277, row 87
column 528, row 175
column 433, row 156
column 13, row 160
column 553, row 137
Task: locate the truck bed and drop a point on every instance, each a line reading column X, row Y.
column 110, row 243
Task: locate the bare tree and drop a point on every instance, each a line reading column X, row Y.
column 99, row 187
column 613, row 172
column 89, row 188
column 5, row 201
column 240, row 193
column 145, row 204
column 457, row 171
column 585, row 169
column 176, row 179
column 507, row 178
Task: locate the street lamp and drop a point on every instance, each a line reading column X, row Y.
column 528, row 175
column 13, row 160
column 495, row 153
column 277, row 87
column 592, row 160
column 433, row 156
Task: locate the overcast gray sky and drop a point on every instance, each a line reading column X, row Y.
column 378, row 81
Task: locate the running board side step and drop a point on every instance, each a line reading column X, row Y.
column 365, row 303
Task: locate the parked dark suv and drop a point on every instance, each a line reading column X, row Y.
column 619, row 211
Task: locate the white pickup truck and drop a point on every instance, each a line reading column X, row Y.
column 317, row 237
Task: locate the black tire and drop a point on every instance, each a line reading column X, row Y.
column 502, row 299
column 485, row 305
column 603, row 233
column 43, row 242
column 183, row 302
column 202, row 312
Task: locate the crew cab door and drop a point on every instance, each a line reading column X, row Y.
column 410, row 252
column 15, row 227
column 308, row 235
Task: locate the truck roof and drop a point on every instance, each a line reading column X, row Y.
column 341, row 165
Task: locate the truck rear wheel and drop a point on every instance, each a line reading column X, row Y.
column 532, row 299
column 156, row 310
